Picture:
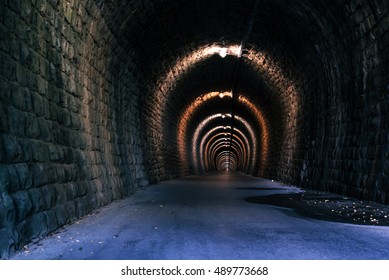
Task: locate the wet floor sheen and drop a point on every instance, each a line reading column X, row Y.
column 209, row 217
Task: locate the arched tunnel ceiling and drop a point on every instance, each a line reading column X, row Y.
column 197, row 47
column 261, row 51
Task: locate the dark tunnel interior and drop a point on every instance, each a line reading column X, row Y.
column 99, row 98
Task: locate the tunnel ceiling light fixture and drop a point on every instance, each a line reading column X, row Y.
column 225, row 94
column 223, row 52
column 234, row 50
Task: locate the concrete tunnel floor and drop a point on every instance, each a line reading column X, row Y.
column 213, row 217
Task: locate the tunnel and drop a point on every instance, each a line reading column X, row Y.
column 100, row 98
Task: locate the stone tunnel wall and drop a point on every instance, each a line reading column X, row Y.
column 64, row 147
column 348, row 147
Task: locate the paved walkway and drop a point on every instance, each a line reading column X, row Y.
column 208, row 218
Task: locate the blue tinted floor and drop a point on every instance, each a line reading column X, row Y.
column 208, row 218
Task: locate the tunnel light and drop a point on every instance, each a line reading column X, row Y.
column 223, row 116
column 223, row 52
column 239, row 51
column 234, row 50
column 221, row 95
column 261, row 62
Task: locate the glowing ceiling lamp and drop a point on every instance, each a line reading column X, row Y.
column 233, row 50
column 223, row 52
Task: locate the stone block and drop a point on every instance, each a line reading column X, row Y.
column 37, row 104
column 37, row 225
column 38, row 175
column 44, row 130
column 12, row 148
column 37, row 199
column 68, row 192
column 32, row 127
column 9, row 210
column 17, row 122
column 53, row 153
column 51, row 220
column 82, row 188
column 4, row 117
column 71, row 210
column 25, row 145
column 34, row 63
column 22, row 204
column 26, row 11
column 8, row 68
column 50, row 171
column 6, row 244
column 27, row 94
column 14, row 5
column 49, row 196
column 25, row 55
column 60, row 193
column 81, row 207
column 18, row 98
column 53, row 109
column 31, row 81
column 4, row 46
column 14, row 47
column 40, row 151
column 21, row 75
column 61, row 215
column 5, row 183
column 24, row 175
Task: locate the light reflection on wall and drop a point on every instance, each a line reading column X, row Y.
column 195, row 139
column 262, row 64
column 226, row 161
column 182, row 126
column 198, row 157
column 244, row 149
column 221, row 145
column 181, row 66
column 204, row 139
column 266, row 66
column 264, row 129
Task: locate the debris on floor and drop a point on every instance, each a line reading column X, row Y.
column 330, row 207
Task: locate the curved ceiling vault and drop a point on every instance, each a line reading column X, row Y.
column 220, row 97
column 231, row 84
column 222, row 108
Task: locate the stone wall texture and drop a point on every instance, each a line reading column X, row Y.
column 62, row 153
column 93, row 94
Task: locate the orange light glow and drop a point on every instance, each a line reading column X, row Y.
column 261, row 63
column 204, row 148
column 182, row 126
column 261, row 120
